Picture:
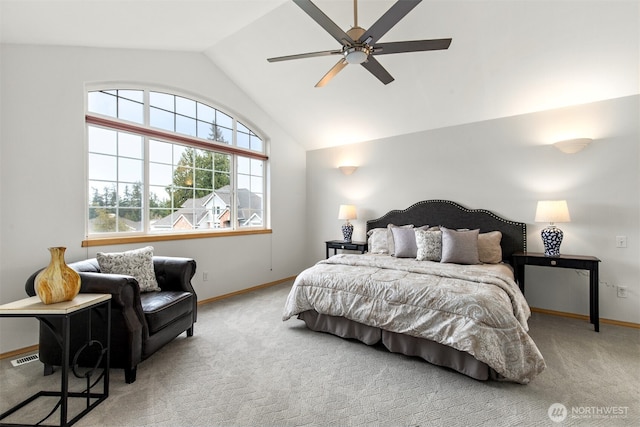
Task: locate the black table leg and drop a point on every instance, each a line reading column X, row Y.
column 64, row 388
column 595, row 305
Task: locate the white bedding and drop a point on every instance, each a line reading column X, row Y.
column 477, row 309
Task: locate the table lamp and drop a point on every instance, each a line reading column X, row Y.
column 552, row 211
column 347, row 212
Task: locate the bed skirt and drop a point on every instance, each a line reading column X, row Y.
column 430, row 351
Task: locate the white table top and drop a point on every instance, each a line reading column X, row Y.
column 35, row 306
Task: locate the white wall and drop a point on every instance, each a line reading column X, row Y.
column 42, row 174
column 504, row 166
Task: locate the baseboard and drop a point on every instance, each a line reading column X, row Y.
column 245, row 291
column 585, row 317
column 18, row 352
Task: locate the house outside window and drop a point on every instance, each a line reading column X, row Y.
column 164, row 163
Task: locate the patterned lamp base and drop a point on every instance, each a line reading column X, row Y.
column 551, row 237
column 347, row 231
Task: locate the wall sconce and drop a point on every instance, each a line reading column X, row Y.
column 571, row 146
column 347, row 170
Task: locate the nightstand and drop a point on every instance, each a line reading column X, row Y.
column 349, row 246
column 577, row 262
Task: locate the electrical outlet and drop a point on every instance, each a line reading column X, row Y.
column 621, row 241
column 205, row 276
column 622, row 292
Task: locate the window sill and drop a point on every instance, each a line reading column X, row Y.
column 122, row 240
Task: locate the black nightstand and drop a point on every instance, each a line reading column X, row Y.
column 520, row 259
column 349, row 246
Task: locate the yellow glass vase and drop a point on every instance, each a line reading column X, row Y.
column 58, row 282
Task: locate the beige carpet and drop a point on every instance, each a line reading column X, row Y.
column 246, row 367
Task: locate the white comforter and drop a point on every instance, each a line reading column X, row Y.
column 477, row 309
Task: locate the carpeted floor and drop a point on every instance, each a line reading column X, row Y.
column 246, row 367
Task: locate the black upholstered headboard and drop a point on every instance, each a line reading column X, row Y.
column 452, row 215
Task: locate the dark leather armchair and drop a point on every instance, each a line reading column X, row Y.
column 141, row 323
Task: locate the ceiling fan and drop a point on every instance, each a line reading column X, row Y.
column 360, row 45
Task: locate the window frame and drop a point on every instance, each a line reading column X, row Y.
column 147, row 132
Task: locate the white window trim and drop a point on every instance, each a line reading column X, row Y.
column 95, row 119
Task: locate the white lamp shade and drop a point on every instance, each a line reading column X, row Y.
column 347, row 212
column 552, row 211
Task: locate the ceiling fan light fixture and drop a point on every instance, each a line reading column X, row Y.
column 359, row 46
column 356, row 54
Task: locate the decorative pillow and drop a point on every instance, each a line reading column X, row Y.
column 460, row 247
column 429, row 245
column 378, row 241
column 137, row 263
column 489, row 250
column 405, row 242
column 390, row 241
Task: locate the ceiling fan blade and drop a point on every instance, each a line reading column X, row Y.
column 377, row 70
column 332, row 72
column 305, row 55
column 331, row 27
column 388, row 20
column 411, row 46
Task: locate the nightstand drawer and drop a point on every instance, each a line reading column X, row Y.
column 564, row 261
column 545, row 262
column 347, row 246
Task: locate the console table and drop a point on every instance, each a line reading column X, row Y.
column 577, row 262
column 99, row 304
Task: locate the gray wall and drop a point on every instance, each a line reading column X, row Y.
column 42, row 170
column 506, row 166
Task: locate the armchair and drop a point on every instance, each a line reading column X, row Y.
column 141, row 323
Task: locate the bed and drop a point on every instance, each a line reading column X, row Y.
column 436, row 283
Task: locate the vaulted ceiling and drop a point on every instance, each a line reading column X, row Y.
column 506, row 58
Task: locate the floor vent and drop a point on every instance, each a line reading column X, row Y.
column 26, row 359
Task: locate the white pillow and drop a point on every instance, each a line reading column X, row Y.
column 137, row 263
column 377, row 243
column 460, row 247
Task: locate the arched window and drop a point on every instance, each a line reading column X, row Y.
column 162, row 163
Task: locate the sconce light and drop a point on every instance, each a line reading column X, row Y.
column 347, row 170
column 571, row 146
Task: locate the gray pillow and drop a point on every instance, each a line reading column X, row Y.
column 137, row 263
column 460, row 247
column 390, row 242
column 405, row 242
column 429, row 245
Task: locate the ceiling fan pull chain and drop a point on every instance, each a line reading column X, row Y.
column 355, row 13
